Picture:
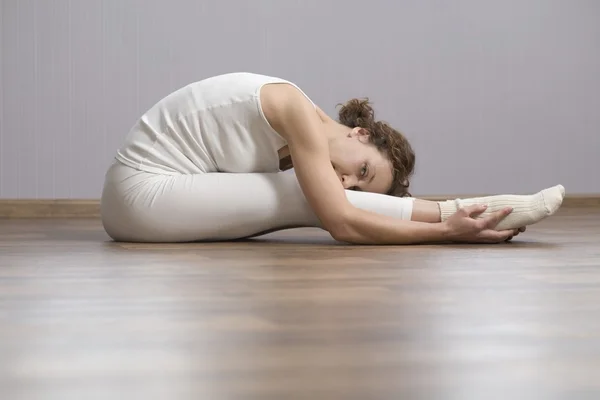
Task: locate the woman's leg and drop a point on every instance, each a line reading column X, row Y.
column 139, row 206
column 426, row 211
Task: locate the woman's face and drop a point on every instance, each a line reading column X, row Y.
column 358, row 163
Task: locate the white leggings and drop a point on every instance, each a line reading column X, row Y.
column 138, row 206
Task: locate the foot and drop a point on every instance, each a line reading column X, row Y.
column 527, row 209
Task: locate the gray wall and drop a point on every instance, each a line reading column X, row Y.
column 497, row 96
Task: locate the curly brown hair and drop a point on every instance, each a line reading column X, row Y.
column 393, row 144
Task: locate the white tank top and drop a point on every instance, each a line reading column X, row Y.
column 213, row 125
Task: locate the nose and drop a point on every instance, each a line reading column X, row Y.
column 348, row 181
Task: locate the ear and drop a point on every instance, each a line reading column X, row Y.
column 359, row 133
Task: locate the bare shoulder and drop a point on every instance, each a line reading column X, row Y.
column 281, row 103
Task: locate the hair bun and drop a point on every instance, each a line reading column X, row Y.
column 357, row 112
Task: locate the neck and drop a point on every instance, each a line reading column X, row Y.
column 332, row 129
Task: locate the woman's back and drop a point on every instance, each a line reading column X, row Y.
column 213, row 125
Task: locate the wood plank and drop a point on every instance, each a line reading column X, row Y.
column 296, row 315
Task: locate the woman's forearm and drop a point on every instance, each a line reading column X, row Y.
column 364, row 227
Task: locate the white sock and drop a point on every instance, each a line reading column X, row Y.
column 527, row 209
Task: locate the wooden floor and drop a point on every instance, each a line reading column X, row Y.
column 295, row 315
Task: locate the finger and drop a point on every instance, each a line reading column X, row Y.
column 522, row 229
column 494, row 218
column 474, row 210
column 497, row 236
column 506, row 234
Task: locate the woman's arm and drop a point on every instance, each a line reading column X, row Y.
column 294, row 117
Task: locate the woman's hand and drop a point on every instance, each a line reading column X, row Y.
column 464, row 226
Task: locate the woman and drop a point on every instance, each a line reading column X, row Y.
column 206, row 163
